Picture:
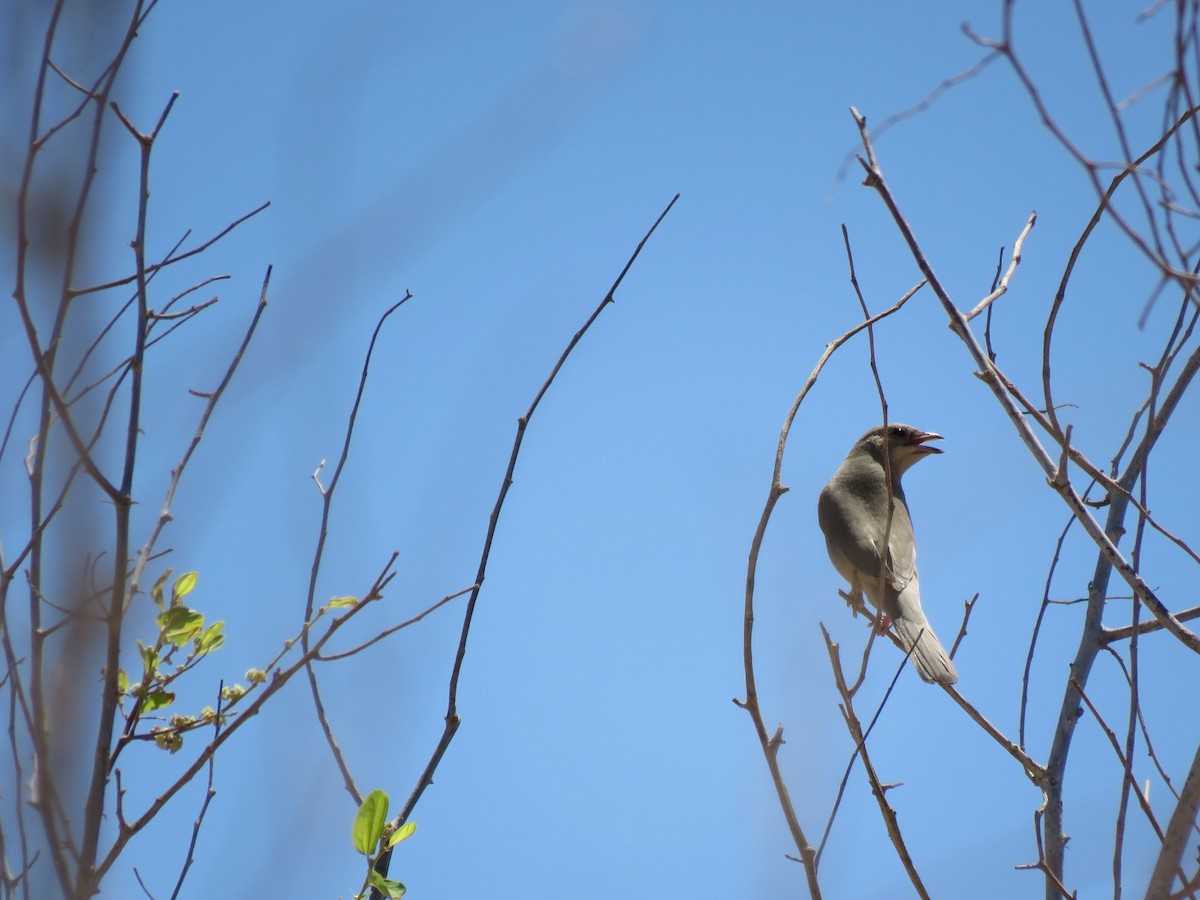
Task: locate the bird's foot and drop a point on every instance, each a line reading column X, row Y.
column 854, row 600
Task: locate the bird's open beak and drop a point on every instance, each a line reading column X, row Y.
column 918, row 443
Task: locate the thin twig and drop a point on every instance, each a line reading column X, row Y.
column 860, row 749
column 319, row 552
column 1033, row 770
column 388, row 632
column 925, row 103
column 145, row 554
column 1056, row 886
column 171, row 259
column 1126, row 764
column 452, row 718
column 968, row 608
column 1037, row 628
column 1150, row 751
column 886, row 540
column 1015, row 260
column 210, row 792
column 1124, row 632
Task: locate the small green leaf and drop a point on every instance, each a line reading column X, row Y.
column 157, row 700
column 180, row 624
column 339, row 602
column 368, row 824
column 403, row 833
column 183, row 586
column 157, row 591
column 211, row 638
column 122, row 682
column 390, row 888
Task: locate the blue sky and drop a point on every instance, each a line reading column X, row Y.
column 501, row 161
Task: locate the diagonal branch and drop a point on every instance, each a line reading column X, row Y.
column 452, row 718
column 1178, row 833
column 1015, row 260
column 878, row 789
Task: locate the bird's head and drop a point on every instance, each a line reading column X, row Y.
column 906, row 445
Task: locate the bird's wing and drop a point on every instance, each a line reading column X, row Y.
column 850, row 532
column 854, row 530
column 902, row 556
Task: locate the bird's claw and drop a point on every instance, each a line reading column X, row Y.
column 854, row 600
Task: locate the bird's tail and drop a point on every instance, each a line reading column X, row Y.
column 929, row 657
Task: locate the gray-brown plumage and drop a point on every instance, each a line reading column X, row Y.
column 852, row 510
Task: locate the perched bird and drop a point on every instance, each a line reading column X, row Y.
column 853, row 512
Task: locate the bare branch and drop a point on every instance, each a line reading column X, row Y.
column 925, row 103
column 209, row 793
column 968, row 608
column 452, row 717
column 1126, row 764
column 213, row 398
column 327, row 494
column 388, row 632
column 171, row 259
column 860, row 749
column 1002, row 288
column 1034, row 771
column 1123, row 633
column 1037, row 627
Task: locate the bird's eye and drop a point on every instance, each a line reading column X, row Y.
column 897, row 431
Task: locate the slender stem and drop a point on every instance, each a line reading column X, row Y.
column 452, row 718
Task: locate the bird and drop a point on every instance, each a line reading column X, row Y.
column 853, row 513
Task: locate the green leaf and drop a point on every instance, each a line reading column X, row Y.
column 157, row 700
column 122, row 682
column 403, row 833
column 157, row 591
column 339, row 602
column 211, row 638
column 180, row 624
column 183, row 586
column 368, row 824
column 390, row 888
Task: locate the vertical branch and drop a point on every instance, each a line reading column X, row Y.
column 44, row 784
column 123, row 501
column 318, row 554
column 885, row 541
column 71, row 866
